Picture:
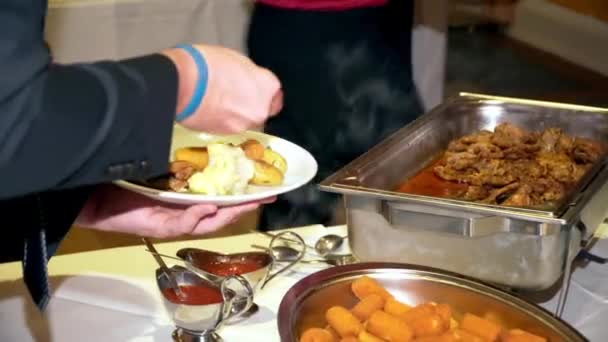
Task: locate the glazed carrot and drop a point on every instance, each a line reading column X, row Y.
column 480, row 327
column 395, row 307
column 518, row 335
column 445, row 312
column 388, row 327
column 365, row 286
column 495, row 317
column 428, row 325
column 317, row 335
column 461, row 336
column 364, row 336
column 343, row 321
column 367, row 306
column 442, row 338
column 333, row 332
column 453, row 324
column 349, row 339
column 418, row 311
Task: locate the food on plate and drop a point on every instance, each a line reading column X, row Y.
column 228, row 172
column 253, row 149
column 379, row 317
column 266, row 174
column 256, row 151
column 197, row 156
column 510, row 166
column 275, row 159
column 222, row 169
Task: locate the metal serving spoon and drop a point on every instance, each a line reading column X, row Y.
column 328, row 244
column 280, row 253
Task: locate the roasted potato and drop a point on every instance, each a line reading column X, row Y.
column 253, row 149
column 266, row 174
column 275, row 159
column 198, row 156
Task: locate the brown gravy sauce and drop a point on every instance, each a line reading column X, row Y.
column 427, row 183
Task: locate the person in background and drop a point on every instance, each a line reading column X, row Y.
column 66, row 130
column 345, row 68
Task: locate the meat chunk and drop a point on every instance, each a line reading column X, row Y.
column 549, row 139
column 508, row 135
column 475, row 193
column 586, row 151
column 559, row 166
column 515, row 167
column 499, row 195
column 521, row 198
column 460, row 160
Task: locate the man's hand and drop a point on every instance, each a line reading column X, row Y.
column 240, row 95
column 113, row 209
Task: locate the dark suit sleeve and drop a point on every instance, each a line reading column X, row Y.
column 64, row 126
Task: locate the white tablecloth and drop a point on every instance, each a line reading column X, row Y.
column 110, row 295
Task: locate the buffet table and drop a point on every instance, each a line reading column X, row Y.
column 111, row 295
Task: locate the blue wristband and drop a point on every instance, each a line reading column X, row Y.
column 201, row 83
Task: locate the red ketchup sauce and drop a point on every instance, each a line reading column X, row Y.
column 237, row 267
column 427, row 183
column 194, row 295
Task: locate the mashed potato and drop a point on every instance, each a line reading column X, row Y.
column 228, row 172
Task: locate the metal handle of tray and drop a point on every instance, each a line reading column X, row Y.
column 416, row 217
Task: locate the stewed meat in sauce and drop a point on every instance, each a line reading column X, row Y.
column 510, row 166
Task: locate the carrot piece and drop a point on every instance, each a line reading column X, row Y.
column 389, row 328
column 364, row 336
column 396, row 308
column 367, row 306
column 316, row 335
column 480, row 327
column 365, row 286
column 343, row 321
column 518, row 335
column 429, row 325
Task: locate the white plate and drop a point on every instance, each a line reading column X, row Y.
column 301, row 168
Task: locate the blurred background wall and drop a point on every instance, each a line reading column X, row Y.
column 543, row 49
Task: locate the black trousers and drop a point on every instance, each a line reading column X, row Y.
column 347, row 82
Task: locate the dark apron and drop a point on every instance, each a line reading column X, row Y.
column 347, row 81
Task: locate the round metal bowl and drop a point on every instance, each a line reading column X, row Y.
column 305, row 304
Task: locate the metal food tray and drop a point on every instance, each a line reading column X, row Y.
column 305, row 304
column 514, row 247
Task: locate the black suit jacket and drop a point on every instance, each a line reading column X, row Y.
column 64, row 128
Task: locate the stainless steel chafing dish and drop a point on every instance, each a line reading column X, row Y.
column 514, row 247
column 305, row 304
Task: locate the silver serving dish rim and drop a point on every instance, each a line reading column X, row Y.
column 344, row 181
column 319, row 280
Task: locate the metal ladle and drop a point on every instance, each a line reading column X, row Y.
column 170, row 276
